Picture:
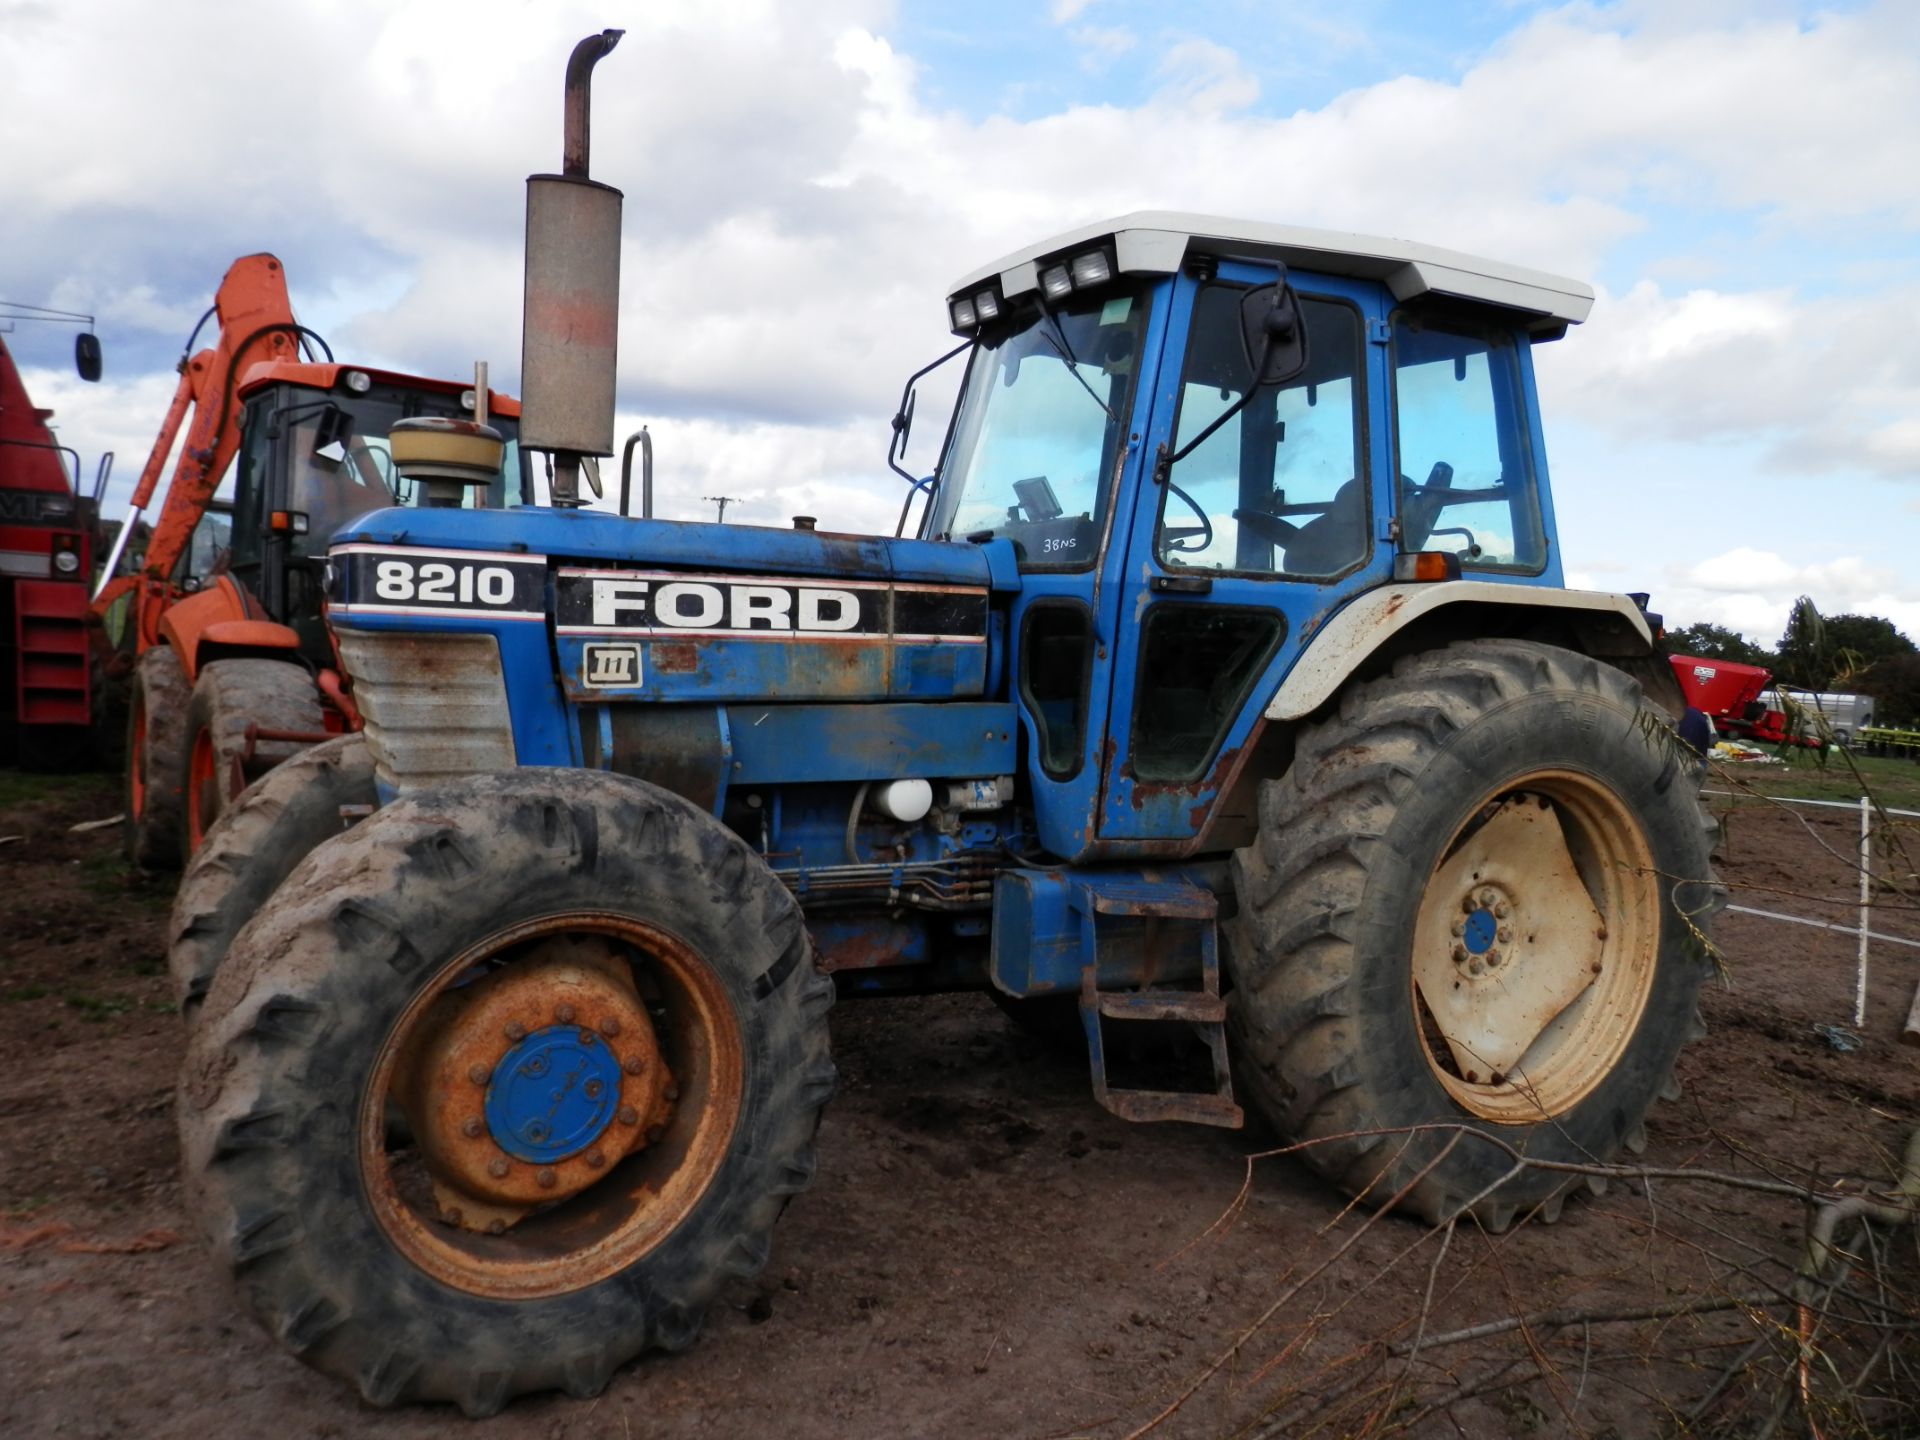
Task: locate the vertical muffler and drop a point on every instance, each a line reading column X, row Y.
column 570, row 322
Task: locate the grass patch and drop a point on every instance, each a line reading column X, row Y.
column 1807, row 775
column 107, row 876
column 20, row 788
column 25, row 992
column 98, row 1008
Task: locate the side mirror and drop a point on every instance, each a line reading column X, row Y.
column 86, row 355
column 1273, row 333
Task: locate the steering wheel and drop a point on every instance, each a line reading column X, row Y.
column 1177, row 537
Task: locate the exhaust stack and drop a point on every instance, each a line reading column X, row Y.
column 571, row 318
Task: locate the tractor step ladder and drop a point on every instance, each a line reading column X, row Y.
column 1203, row 1009
column 50, row 656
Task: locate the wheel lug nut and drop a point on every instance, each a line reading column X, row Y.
column 496, row 1227
column 1459, row 952
column 498, row 1168
column 452, row 1215
column 563, row 1013
column 478, row 1074
column 595, row 1160
column 1505, row 933
column 1460, row 925
column 471, row 1129
column 634, row 1064
column 1502, row 910
column 515, row 1030
column 629, row 1115
column 543, row 1177
column 609, row 1027
column 1469, row 904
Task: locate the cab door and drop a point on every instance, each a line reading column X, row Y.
column 1241, row 542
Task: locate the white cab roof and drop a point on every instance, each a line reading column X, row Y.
column 1156, row 242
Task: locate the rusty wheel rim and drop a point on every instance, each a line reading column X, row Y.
column 1535, row 947
column 202, row 788
column 626, row 1208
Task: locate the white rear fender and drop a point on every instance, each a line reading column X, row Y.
column 1355, row 633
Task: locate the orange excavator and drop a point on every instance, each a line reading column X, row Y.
column 220, row 617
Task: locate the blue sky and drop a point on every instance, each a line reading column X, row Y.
column 1738, row 423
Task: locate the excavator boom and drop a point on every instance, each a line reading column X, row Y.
column 256, row 325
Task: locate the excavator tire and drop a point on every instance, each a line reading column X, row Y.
column 252, row 848
column 1472, row 929
column 229, row 698
column 431, row 959
column 156, row 760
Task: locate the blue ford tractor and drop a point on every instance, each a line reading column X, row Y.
column 1226, row 681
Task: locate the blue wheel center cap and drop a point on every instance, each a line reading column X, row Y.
column 552, row 1094
column 1480, row 932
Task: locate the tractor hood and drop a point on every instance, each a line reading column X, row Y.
column 659, row 610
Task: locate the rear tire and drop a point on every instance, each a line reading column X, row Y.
column 252, row 848
column 1433, row 801
column 389, row 932
column 156, row 760
column 228, row 697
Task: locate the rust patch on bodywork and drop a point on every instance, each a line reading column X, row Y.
column 871, row 947
column 680, row 658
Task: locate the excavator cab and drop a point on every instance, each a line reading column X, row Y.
column 314, row 456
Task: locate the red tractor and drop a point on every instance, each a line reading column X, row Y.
column 47, row 534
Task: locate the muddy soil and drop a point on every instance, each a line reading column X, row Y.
column 985, row 1251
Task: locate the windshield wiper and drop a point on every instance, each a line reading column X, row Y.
column 1065, row 352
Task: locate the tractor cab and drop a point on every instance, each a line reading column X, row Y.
column 1204, row 438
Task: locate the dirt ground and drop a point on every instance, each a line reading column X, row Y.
column 985, row 1251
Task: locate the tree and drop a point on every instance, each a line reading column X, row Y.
column 1804, row 656
column 1859, row 642
column 1895, row 683
column 1706, row 641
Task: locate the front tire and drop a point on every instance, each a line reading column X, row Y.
column 229, row 697
column 1476, row 903
column 436, row 948
column 156, row 759
column 254, row 846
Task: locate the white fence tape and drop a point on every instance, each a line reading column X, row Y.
column 1823, row 804
column 1867, row 810
column 1823, row 925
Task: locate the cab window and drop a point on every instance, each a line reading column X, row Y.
column 1042, row 416
column 1465, row 468
column 1278, row 489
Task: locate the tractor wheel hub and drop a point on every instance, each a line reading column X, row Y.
column 534, row 1082
column 552, row 1094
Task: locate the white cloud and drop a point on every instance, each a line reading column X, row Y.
column 1102, row 44
column 1753, row 591
column 1827, row 382
column 796, row 205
